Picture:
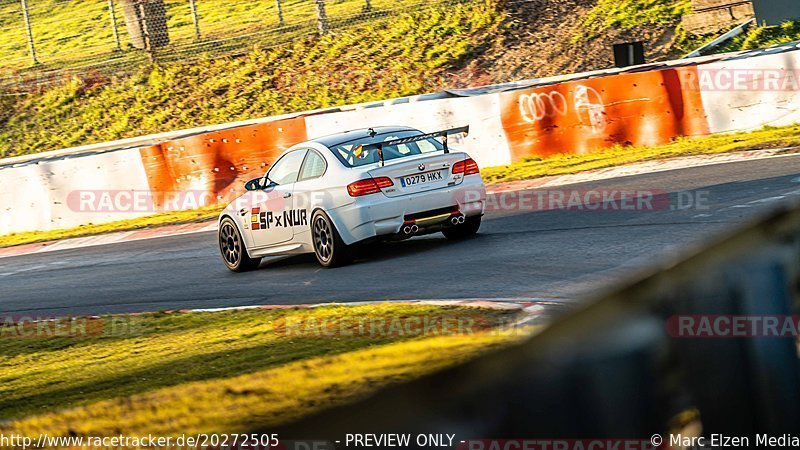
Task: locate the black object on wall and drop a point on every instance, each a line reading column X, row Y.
column 628, row 54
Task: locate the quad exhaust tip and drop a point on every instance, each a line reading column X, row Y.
column 410, row 229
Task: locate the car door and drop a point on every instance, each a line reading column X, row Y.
column 271, row 218
column 308, row 189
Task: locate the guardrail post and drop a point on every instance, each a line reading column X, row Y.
column 322, row 17
column 193, row 8
column 112, row 13
column 31, row 46
column 146, row 22
column 280, row 12
column 148, row 45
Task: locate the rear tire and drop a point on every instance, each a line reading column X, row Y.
column 329, row 248
column 232, row 248
column 466, row 230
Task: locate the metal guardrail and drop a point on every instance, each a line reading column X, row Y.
column 707, row 48
column 611, row 369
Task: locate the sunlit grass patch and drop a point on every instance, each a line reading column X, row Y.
column 763, row 36
column 228, row 371
column 629, row 14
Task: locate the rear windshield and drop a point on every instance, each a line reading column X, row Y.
column 353, row 153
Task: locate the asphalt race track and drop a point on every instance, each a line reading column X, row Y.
column 554, row 255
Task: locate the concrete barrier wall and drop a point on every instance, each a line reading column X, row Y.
column 646, row 105
column 217, row 163
column 42, row 196
column 646, row 108
column 751, row 91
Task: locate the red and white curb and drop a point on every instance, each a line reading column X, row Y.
column 537, row 183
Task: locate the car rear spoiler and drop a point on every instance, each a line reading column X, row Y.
column 420, row 137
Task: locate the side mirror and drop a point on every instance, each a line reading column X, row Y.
column 255, row 184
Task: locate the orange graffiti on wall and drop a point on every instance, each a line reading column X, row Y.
column 219, row 162
column 644, row 108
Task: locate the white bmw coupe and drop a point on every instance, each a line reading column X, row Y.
column 329, row 194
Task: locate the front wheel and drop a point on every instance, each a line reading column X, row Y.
column 231, row 245
column 329, row 248
column 467, row 229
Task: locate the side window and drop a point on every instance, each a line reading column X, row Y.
column 287, row 168
column 313, row 167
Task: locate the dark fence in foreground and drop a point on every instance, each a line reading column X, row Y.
column 620, row 368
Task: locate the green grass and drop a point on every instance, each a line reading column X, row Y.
column 227, row 371
column 70, row 33
column 629, row 14
column 401, row 54
column 755, row 37
column 759, row 37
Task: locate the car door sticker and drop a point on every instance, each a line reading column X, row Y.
column 264, row 220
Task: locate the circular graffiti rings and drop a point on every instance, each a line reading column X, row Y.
column 589, row 104
column 535, row 107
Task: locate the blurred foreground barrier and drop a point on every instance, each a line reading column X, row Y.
column 625, row 366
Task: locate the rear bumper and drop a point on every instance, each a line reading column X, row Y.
column 376, row 215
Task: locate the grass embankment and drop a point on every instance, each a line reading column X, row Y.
column 397, row 55
column 169, row 374
column 768, row 138
column 759, row 37
column 74, row 33
column 629, row 14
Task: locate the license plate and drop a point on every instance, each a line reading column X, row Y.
column 422, row 178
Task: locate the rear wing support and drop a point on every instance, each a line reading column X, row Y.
column 421, row 137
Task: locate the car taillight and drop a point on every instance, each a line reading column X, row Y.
column 368, row 186
column 467, row 167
